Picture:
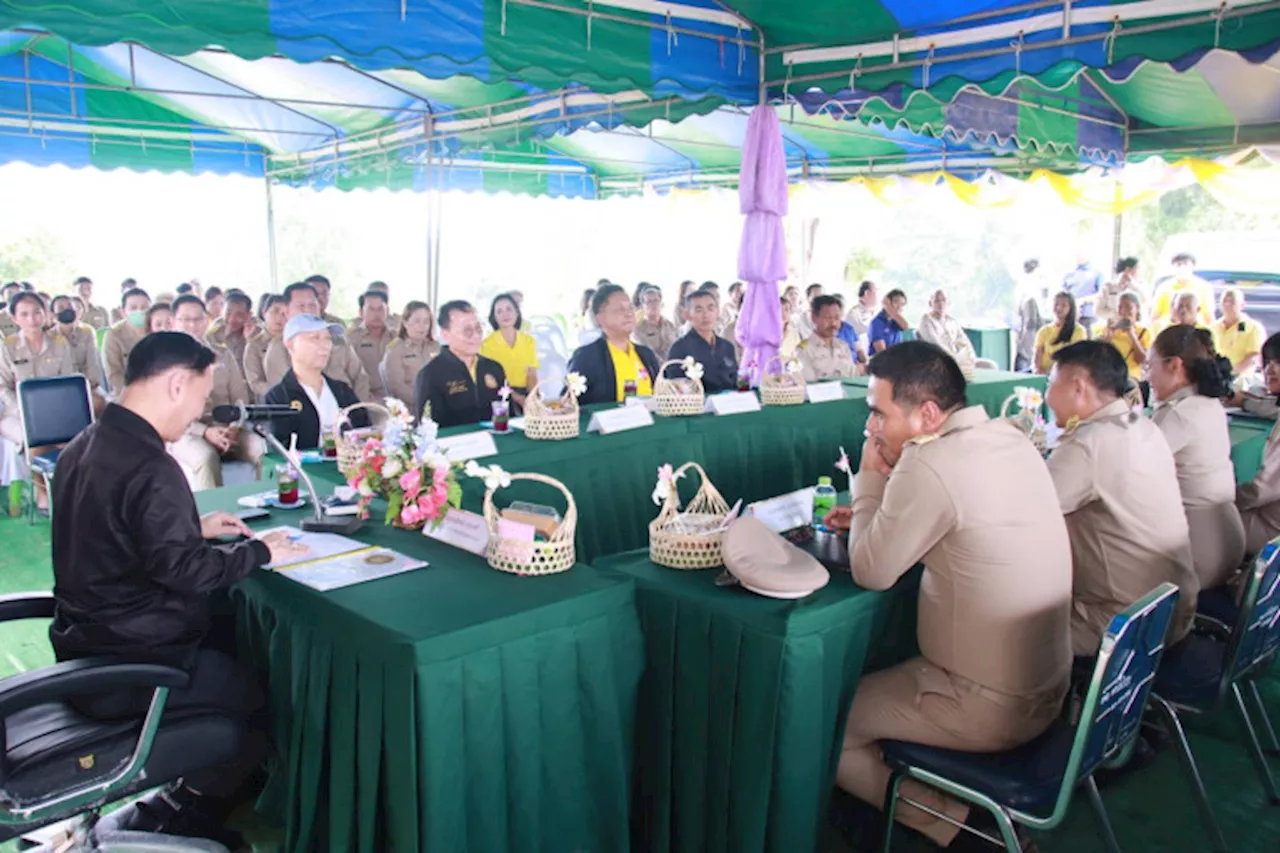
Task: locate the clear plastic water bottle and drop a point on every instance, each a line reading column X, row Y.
column 824, row 500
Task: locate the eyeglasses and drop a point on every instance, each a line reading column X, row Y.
column 471, row 330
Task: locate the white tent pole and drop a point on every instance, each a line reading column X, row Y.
column 431, row 295
column 271, row 237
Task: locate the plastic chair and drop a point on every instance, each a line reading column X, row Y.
column 1213, row 663
column 53, row 411
column 57, row 763
column 1033, row 784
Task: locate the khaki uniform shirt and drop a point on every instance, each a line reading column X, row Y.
column 1118, row 487
column 947, row 333
column 821, row 360
column 370, row 349
column 255, row 370
column 18, row 362
column 7, row 325
column 977, row 506
column 119, row 342
column 229, row 387
column 402, row 362
column 656, row 336
column 1259, row 499
column 96, row 317
column 343, row 365
column 84, row 352
column 860, row 318
column 219, row 335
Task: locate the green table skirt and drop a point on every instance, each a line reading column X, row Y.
column 1248, row 442
column 743, row 701
column 452, row 708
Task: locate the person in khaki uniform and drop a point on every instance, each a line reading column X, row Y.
column 232, row 329
column 124, row 336
column 321, row 286
column 274, row 316
column 344, row 364
column 823, row 355
column 942, row 483
column 1118, row 487
column 1259, row 499
column 95, row 315
column 7, row 293
column 1189, row 379
column 370, row 339
column 415, row 345
column 939, row 327
column 204, row 445
column 83, row 342
column 29, row 353
column 652, row 329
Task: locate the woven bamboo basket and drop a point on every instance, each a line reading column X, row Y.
column 546, row 422
column 677, row 397
column 781, row 388
column 518, row 557
column 351, row 448
column 1026, row 423
column 692, row 538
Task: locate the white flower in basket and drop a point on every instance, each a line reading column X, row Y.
column 666, row 482
column 577, row 384
column 692, row 369
column 794, row 367
column 1029, row 399
column 493, row 476
column 392, row 468
column 399, row 411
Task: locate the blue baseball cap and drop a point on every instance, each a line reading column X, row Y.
column 304, row 323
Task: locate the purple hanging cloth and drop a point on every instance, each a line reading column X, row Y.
column 762, row 256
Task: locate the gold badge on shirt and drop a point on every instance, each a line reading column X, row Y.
column 296, row 405
column 490, row 382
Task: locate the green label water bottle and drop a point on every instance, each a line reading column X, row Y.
column 824, row 500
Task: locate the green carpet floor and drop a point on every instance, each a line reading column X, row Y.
column 1152, row 811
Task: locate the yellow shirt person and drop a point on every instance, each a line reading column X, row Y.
column 1236, row 335
column 1046, row 344
column 627, row 367
column 516, row 360
column 1167, row 292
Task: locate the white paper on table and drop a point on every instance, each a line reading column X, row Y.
column 644, row 402
column 620, row 419
column 733, row 403
column 349, row 569
column 824, row 392
column 785, row 512
column 468, row 445
column 319, row 546
column 461, row 529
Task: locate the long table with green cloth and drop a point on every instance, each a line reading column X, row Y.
column 450, row 708
column 987, row 388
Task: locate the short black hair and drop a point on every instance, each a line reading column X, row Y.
column 1126, row 264
column 189, row 299
column 864, row 287
column 810, row 289
column 895, row 293
column 1030, row 265
column 184, row 288
column 210, row 292
column 269, row 299
column 84, row 279
column 1271, row 348
column 736, row 287
column 700, row 293
column 640, row 289
column 313, row 280
column 128, row 283
column 920, row 372
column 1182, row 257
column 297, row 287
column 160, row 352
column 25, row 296
column 133, row 291
column 55, row 299
column 820, row 302
column 1101, row 360
column 239, row 297
column 380, row 286
column 710, row 285
column 493, row 310
column 602, row 295
column 371, row 294
column 1207, row 371
column 448, row 308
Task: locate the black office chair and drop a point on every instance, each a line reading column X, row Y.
column 53, row 411
column 58, row 763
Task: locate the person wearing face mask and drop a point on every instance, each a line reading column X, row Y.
column 415, row 345
column 124, row 335
column 459, row 385
column 84, row 348
column 205, row 444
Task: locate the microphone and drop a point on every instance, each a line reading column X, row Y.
column 239, row 413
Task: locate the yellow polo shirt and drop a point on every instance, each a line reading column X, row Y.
column 1235, row 342
column 1164, row 298
column 1121, row 342
column 1044, row 342
column 516, row 360
column 627, row 367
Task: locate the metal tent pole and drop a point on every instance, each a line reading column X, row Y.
column 271, row 237
column 431, row 292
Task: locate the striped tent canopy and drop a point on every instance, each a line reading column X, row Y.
column 577, row 98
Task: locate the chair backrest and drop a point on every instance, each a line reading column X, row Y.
column 1122, row 677
column 1256, row 635
column 549, row 337
column 54, row 410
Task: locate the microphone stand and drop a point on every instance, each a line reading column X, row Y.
column 322, row 523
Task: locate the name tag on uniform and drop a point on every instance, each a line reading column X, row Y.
column 734, row 403
column 468, row 445
column 824, row 392
column 620, row 419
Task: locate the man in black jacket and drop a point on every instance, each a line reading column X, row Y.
column 614, row 356
column 459, row 384
column 135, row 575
column 318, row 398
column 717, row 356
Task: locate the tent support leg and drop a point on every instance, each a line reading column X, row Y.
column 271, row 238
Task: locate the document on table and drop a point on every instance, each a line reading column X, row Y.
column 352, row 568
column 319, row 546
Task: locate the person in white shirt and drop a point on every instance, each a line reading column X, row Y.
column 317, row 398
column 865, row 310
column 804, row 320
column 939, row 327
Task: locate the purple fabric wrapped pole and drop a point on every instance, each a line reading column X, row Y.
column 762, row 256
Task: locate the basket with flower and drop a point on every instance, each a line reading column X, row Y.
column 682, row 395
column 405, row 465
column 782, row 384
column 506, row 552
column 1028, row 417
column 689, row 537
column 556, row 418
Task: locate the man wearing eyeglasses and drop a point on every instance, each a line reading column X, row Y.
column 459, row 384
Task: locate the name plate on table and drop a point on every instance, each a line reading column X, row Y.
column 824, row 392
column 468, row 445
column 785, row 512
column 461, row 529
column 734, row 403
column 620, row 419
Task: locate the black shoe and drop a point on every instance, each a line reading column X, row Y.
column 982, row 821
column 175, row 810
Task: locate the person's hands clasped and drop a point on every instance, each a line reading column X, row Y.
column 221, row 438
column 282, row 547
column 216, row 524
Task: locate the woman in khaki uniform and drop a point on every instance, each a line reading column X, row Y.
column 274, row 316
column 83, row 341
column 1190, row 380
column 414, row 346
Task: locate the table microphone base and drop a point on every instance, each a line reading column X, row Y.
column 341, row 524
